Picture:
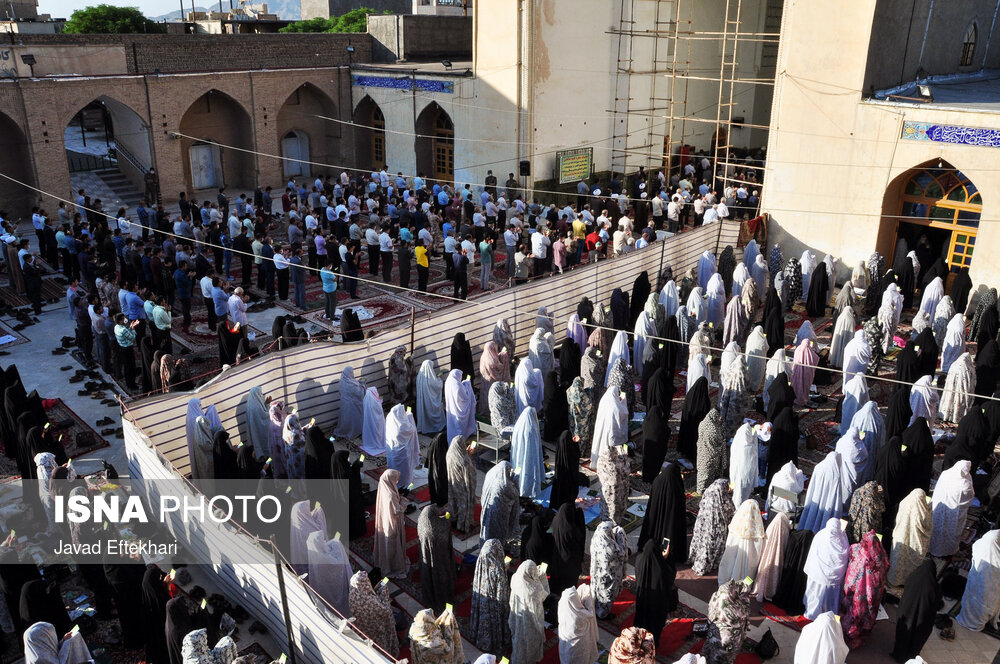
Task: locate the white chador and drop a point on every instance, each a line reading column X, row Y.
column 756, row 359
column 373, row 427
column 744, row 544
column 825, row 567
column 540, row 350
column 619, row 351
column 790, row 479
column 776, row 365
column 706, row 268
column 529, row 386
column 843, row 332
column 924, row 400
column 950, row 502
column 808, row 265
column 959, row 389
column 716, row 298
column 329, row 570
column 954, row 341
column 611, row 425
column 698, row 367
column 855, row 466
column 669, row 298
column 870, row 425
column 430, row 399
column 857, row 355
column 825, row 497
column 855, row 396
column 981, row 601
column 743, row 464
column 645, row 329
column 402, row 446
column 526, row 453
column 352, row 394
column 578, row 633
column 822, row 641
column 201, row 427
column 259, row 423
column 933, row 293
column 460, row 406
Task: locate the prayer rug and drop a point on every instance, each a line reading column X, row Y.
column 10, row 337
column 78, row 438
column 52, row 291
column 386, row 311
column 198, row 336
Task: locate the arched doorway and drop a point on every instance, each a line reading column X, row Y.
column 938, row 207
column 305, row 135
column 369, row 134
column 15, row 161
column 215, row 120
column 295, row 150
column 436, row 144
column 108, row 152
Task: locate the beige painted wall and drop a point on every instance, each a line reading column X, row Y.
column 831, row 155
column 82, row 60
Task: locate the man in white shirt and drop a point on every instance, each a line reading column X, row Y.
column 618, row 241
column 478, row 224
column 711, row 214
column 511, row 237
column 206, row 293
column 656, row 205
column 371, row 241
column 722, row 210
column 540, row 244
column 125, row 226
column 238, row 307
column 311, row 223
column 673, row 216
column 385, row 248
column 345, row 179
column 449, row 254
column 625, row 223
column 699, row 211
column 234, row 226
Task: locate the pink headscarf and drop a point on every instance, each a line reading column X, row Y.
column 804, row 371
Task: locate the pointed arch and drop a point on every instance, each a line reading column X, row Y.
column 316, row 139
column 215, row 117
column 369, row 135
column 435, row 144
column 936, row 204
column 15, row 160
column 106, row 134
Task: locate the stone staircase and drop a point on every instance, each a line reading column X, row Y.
column 124, row 190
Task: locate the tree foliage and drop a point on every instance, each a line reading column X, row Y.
column 108, row 19
column 355, row 20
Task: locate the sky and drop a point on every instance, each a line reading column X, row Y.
column 63, row 8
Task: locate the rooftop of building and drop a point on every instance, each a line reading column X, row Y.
column 435, row 67
column 978, row 92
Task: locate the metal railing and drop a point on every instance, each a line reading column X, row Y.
column 123, row 152
column 79, row 163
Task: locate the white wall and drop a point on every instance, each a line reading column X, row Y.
column 831, row 155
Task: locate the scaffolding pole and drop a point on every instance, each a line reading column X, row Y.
column 717, row 86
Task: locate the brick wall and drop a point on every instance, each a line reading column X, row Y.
column 145, row 54
column 265, row 102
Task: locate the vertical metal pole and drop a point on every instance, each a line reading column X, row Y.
column 83, row 132
column 284, row 603
column 413, row 317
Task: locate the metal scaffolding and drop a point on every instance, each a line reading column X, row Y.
column 653, row 130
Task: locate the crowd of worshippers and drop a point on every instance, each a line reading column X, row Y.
column 868, row 520
column 328, row 223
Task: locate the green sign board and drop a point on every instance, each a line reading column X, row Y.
column 574, row 165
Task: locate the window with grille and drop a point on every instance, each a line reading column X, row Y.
column 968, row 45
column 378, row 137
